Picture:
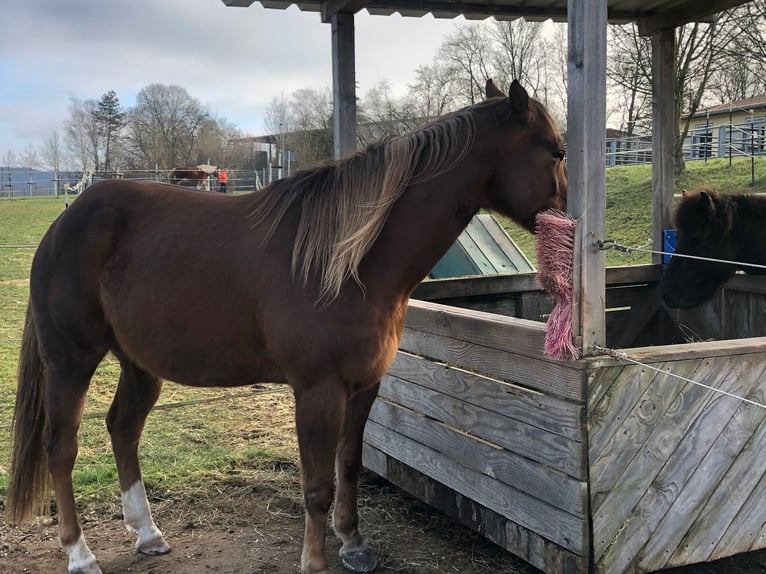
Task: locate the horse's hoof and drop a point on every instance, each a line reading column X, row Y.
column 153, row 547
column 359, row 560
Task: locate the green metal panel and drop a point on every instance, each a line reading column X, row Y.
column 484, row 248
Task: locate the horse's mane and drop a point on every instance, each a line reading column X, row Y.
column 344, row 204
column 706, row 208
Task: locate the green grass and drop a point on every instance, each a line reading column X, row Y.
column 183, row 447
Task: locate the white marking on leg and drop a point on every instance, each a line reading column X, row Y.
column 81, row 559
column 138, row 517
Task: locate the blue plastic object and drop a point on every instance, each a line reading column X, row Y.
column 668, row 244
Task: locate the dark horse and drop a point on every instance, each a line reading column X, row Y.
column 714, row 226
column 198, row 177
column 318, row 270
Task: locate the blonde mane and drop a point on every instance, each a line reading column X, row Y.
column 344, row 205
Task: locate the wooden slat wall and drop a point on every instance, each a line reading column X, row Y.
column 677, row 470
column 480, row 412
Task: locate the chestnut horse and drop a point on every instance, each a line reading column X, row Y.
column 318, row 270
column 714, row 226
column 198, row 177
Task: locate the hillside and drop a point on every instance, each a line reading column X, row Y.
column 629, row 201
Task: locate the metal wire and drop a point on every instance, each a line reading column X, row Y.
column 607, row 244
column 622, row 356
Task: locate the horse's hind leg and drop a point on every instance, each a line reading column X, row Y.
column 136, row 394
column 354, row 553
column 65, row 397
column 319, row 413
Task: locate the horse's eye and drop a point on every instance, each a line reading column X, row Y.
column 559, row 154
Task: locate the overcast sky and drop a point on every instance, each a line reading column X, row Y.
column 233, row 60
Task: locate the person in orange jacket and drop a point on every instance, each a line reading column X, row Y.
column 223, row 178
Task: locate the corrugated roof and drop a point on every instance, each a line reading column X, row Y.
column 651, row 14
column 483, row 248
column 754, row 103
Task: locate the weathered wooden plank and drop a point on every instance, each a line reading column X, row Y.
column 664, row 133
column 641, row 312
column 551, row 414
column 685, row 351
column 539, row 481
column 586, row 141
column 524, row 282
column 741, row 531
column 630, row 402
column 471, row 286
column 567, row 530
column 630, row 295
column 633, row 274
column 559, row 452
column 525, row 544
column 621, row 471
column 560, row 378
column 343, row 84
column 731, row 492
column 743, row 315
column 747, row 283
column 492, row 304
column 503, row 333
column 617, row 536
column 694, row 470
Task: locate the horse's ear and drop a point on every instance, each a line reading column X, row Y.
column 493, row 91
column 707, row 199
column 519, row 98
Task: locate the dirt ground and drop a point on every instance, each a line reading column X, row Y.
column 251, row 528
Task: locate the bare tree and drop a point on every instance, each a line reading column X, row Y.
column 164, row 127
column 697, row 46
column 52, row 152
column 433, row 91
column 628, row 70
column 469, row 53
column 277, row 117
column 81, row 134
column 383, row 116
column 740, row 71
column 311, row 137
column 521, row 54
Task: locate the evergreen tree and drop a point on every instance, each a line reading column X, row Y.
column 110, row 121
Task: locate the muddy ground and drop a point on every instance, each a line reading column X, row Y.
column 237, row 527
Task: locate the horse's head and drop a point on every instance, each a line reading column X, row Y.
column 703, row 222
column 530, row 175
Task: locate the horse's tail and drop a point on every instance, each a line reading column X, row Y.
column 29, row 482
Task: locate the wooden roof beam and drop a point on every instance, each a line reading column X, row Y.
column 701, row 10
column 331, row 7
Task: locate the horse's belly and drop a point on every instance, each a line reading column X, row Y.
column 191, row 341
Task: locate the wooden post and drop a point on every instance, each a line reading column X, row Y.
column 343, row 84
column 586, row 156
column 664, row 132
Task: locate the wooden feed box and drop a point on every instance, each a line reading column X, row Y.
column 581, row 466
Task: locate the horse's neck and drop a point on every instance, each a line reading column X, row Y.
column 423, row 225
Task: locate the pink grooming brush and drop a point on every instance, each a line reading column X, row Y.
column 555, row 253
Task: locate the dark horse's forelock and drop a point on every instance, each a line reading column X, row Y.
column 344, row 205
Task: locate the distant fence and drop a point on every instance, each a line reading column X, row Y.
column 32, row 183
column 704, row 141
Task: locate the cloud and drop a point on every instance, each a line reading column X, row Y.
column 234, row 60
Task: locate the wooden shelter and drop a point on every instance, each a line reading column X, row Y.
column 603, row 464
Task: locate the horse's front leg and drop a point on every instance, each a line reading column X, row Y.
column 354, row 553
column 319, row 413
